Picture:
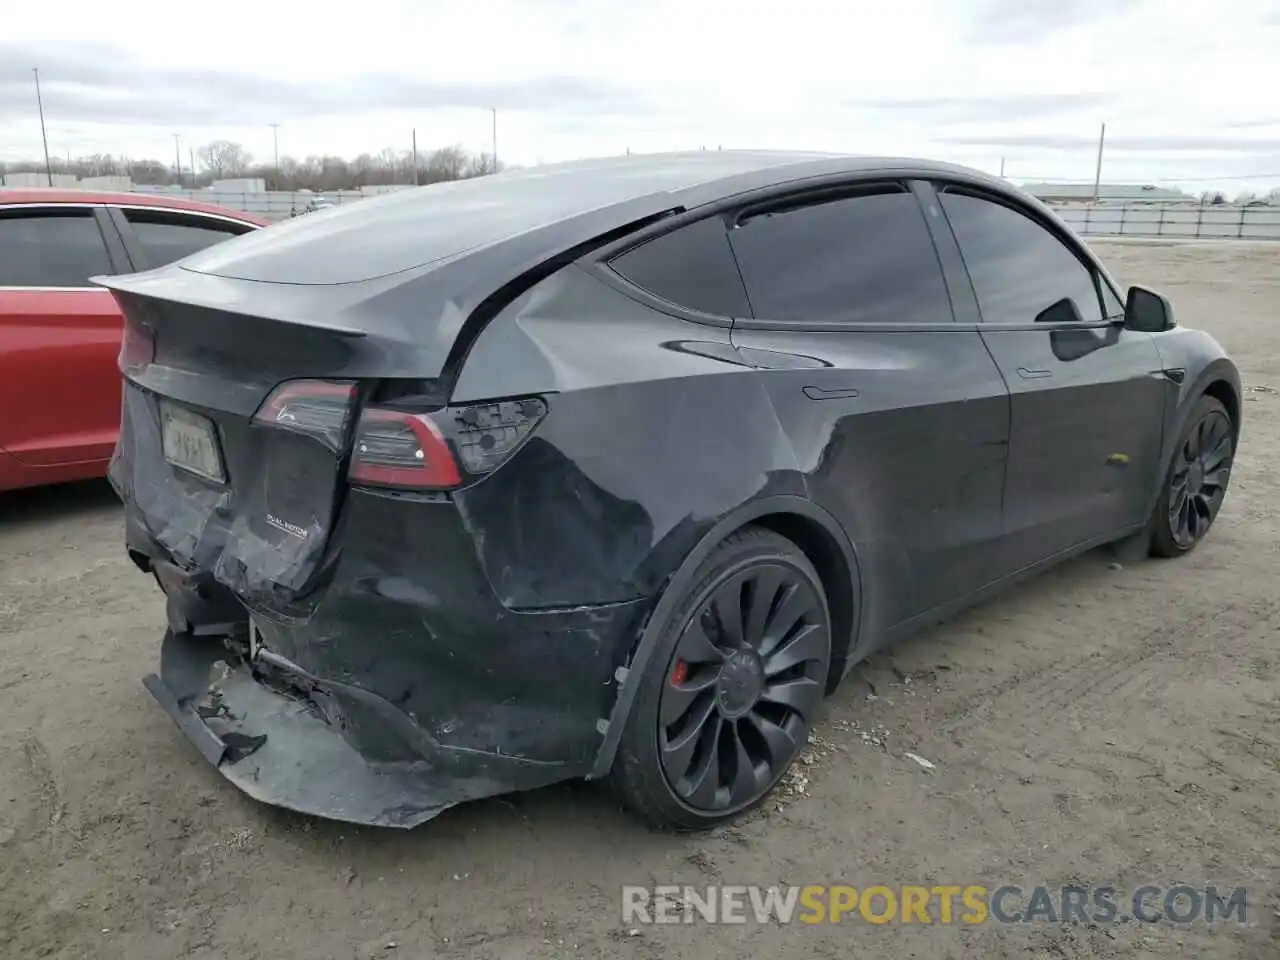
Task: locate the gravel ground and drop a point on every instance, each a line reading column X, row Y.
column 1101, row 725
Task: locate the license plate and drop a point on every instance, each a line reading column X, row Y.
column 191, row 442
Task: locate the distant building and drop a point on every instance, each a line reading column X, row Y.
column 1106, row 193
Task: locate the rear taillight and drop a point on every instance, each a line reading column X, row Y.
column 394, row 449
column 318, row 408
column 440, row 450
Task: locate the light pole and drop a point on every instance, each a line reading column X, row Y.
column 48, row 168
column 177, row 157
column 495, row 139
column 275, row 149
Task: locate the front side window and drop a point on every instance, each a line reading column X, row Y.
column 51, row 248
column 860, row 258
column 166, row 236
column 1021, row 272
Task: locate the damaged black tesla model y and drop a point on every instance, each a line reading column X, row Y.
column 614, row 467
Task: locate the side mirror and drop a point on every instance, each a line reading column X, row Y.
column 1060, row 311
column 1147, row 311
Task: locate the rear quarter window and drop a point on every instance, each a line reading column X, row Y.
column 692, row 267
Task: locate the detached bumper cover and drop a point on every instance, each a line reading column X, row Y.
column 289, row 739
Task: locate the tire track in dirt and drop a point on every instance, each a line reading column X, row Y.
column 1102, row 673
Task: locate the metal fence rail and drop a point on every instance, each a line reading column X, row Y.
column 1175, row 221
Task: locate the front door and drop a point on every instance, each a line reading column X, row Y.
column 1086, row 395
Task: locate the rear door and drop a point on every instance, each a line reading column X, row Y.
column 899, row 414
column 154, row 237
column 1087, row 395
column 59, row 335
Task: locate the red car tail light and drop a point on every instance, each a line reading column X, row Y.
column 431, row 451
column 318, row 408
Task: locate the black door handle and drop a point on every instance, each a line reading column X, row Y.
column 821, row 393
column 1026, row 374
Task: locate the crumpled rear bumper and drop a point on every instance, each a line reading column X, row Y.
column 293, row 740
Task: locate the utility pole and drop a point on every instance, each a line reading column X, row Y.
column 1002, row 167
column 415, row 156
column 275, row 152
column 1097, row 175
column 177, row 158
column 495, row 139
column 48, row 167
column 191, row 155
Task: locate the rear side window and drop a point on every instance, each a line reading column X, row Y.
column 1018, row 267
column 692, row 267
column 865, row 258
column 166, row 236
column 51, row 248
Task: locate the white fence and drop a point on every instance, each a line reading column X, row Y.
column 1173, row 220
column 271, row 204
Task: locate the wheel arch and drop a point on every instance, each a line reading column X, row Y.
column 815, row 532
column 1222, row 391
column 1219, row 380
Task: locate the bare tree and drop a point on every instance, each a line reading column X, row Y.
column 223, row 158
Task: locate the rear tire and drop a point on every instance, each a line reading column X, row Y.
column 728, row 698
column 1195, row 484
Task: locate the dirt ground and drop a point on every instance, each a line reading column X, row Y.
column 1104, row 724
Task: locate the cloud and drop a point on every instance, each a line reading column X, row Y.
column 99, row 84
column 1028, row 21
column 993, row 108
column 1163, row 143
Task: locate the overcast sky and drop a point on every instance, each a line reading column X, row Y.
column 1189, row 89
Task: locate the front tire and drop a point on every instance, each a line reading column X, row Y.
column 728, row 699
column 1196, row 482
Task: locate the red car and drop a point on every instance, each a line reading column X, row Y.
column 59, row 335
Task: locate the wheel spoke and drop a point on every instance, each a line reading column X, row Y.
column 696, row 647
column 796, row 602
column 801, row 695
column 763, row 590
column 703, row 783
column 747, row 778
column 1216, row 430
column 1217, row 479
column 777, row 741
column 678, row 698
column 1217, row 455
column 678, row 752
column 727, row 604
column 808, row 643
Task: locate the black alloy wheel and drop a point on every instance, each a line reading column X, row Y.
column 743, row 671
column 1197, row 480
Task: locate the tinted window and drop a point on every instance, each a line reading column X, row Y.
column 51, row 249
column 1018, row 267
column 692, row 266
column 166, row 237
column 860, row 259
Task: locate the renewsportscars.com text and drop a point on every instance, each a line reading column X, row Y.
column 965, row 904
